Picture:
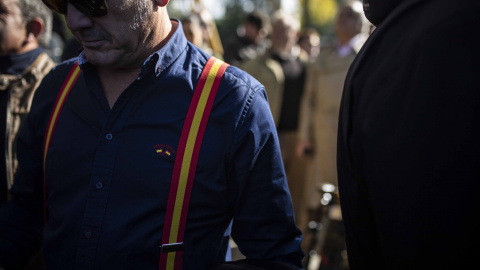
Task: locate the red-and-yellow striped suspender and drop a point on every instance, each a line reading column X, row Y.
column 57, row 108
column 171, row 255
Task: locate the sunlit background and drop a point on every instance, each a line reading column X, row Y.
column 217, row 7
column 228, row 14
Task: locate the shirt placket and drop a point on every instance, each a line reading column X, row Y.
column 100, row 182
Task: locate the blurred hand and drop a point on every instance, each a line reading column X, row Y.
column 303, row 148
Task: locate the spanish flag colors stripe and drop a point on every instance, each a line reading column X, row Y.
column 186, row 161
column 57, row 108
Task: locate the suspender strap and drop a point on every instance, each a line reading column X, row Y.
column 171, row 255
column 57, row 108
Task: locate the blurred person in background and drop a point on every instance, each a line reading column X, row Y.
column 318, row 122
column 211, row 35
column 200, row 33
column 408, row 144
column 309, row 42
column 195, row 32
column 25, row 29
column 282, row 71
column 321, row 102
column 250, row 40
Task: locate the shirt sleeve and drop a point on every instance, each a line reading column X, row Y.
column 263, row 221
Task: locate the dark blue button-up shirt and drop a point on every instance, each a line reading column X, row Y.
column 107, row 185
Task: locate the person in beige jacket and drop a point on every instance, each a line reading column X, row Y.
column 320, row 104
column 282, row 71
column 25, row 31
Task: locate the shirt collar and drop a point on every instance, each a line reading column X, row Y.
column 163, row 57
column 354, row 44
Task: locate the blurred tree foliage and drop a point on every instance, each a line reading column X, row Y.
column 318, row 14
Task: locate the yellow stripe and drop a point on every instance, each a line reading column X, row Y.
column 170, row 260
column 187, row 158
column 57, row 109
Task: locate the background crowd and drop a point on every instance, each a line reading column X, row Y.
column 304, row 80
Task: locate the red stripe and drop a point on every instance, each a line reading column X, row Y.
column 162, row 264
column 197, row 147
column 181, row 151
column 178, row 163
column 178, row 260
column 57, row 99
column 72, row 70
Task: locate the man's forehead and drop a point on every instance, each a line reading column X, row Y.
column 8, row 5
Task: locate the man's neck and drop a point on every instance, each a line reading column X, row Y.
column 16, row 63
column 116, row 80
column 282, row 51
column 345, row 39
column 114, row 83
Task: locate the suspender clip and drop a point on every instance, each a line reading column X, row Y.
column 174, row 247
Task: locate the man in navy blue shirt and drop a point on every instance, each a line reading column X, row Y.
column 112, row 155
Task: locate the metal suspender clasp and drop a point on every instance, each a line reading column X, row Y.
column 174, row 247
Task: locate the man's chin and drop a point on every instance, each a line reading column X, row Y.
column 98, row 57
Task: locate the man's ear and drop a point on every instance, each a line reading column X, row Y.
column 34, row 29
column 161, row 3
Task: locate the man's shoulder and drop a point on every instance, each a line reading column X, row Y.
column 54, row 79
column 233, row 78
column 61, row 70
column 238, row 87
column 65, row 65
column 241, row 76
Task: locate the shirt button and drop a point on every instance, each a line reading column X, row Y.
column 109, row 136
column 88, row 235
column 99, row 185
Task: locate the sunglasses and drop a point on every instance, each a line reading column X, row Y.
column 91, row 8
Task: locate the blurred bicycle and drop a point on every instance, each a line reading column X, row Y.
column 327, row 247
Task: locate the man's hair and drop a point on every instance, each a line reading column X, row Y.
column 259, row 19
column 310, row 34
column 36, row 9
column 287, row 19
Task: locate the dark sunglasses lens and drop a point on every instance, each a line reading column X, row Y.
column 92, row 8
column 59, row 6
